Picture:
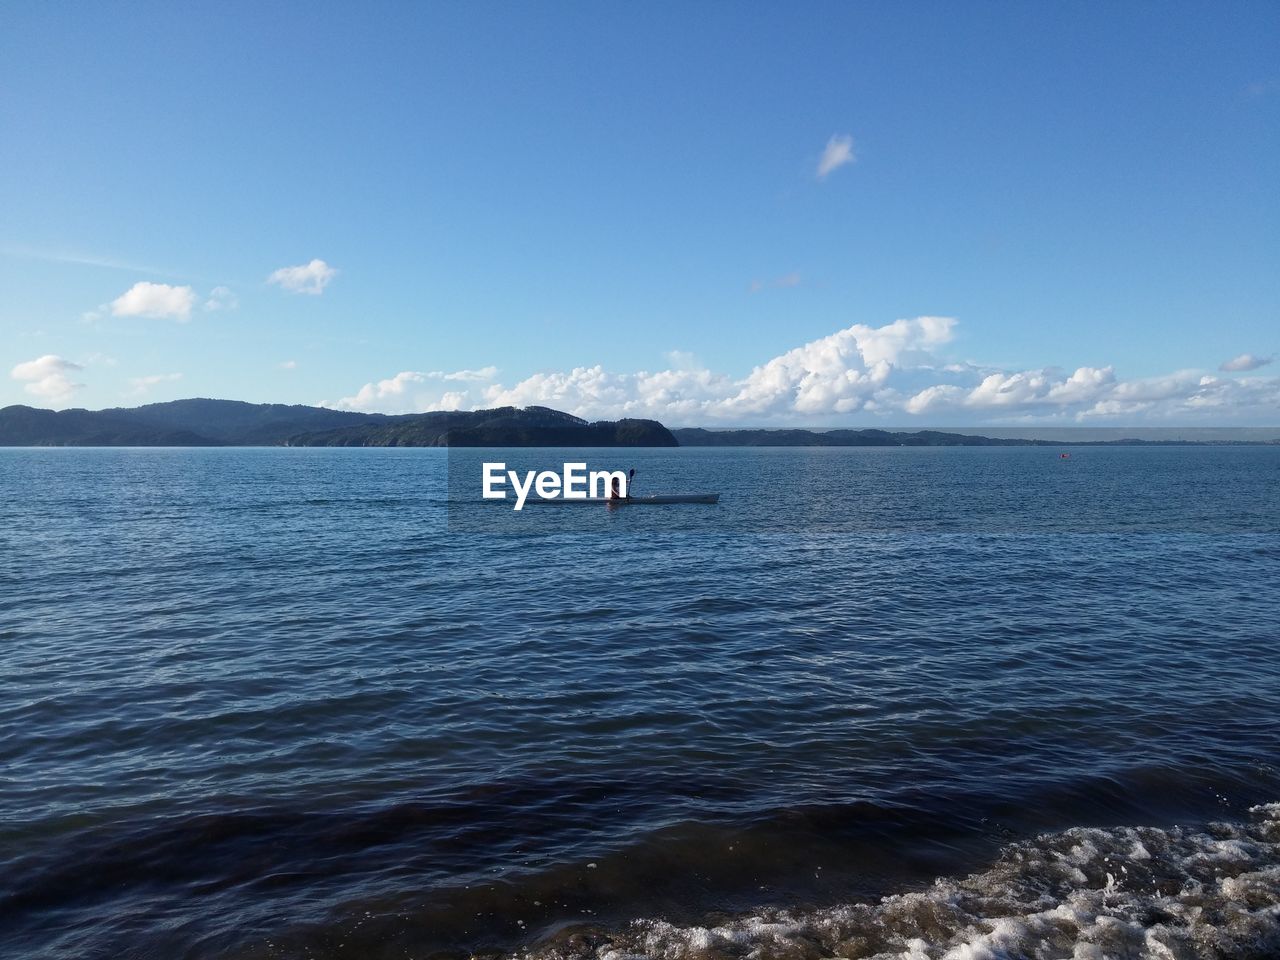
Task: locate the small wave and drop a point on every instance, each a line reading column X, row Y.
column 1084, row 894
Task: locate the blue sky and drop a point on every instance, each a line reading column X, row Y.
column 1057, row 212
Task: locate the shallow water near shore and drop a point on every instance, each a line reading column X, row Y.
column 297, row 703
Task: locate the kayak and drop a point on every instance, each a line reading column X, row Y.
column 632, row 501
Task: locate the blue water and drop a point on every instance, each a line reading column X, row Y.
column 294, row 702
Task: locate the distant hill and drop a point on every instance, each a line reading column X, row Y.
column 26, row 426
column 212, row 423
column 243, row 424
column 204, row 422
column 499, row 427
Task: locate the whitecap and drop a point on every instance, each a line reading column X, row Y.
column 1083, row 894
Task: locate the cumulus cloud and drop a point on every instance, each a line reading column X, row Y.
column 48, row 377
column 142, row 385
column 390, row 393
column 892, row 374
column 1246, row 361
column 484, row 373
column 413, row 391
column 158, row 300
column 309, row 278
column 837, row 153
column 1095, row 393
column 1018, row 391
column 838, row 374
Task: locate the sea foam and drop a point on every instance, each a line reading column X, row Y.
column 1083, row 894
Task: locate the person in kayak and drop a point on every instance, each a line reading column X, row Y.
column 615, row 486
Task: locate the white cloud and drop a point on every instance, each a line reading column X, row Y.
column 1019, row 391
column 400, row 394
column 484, row 373
column 309, row 278
column 1246, row 361
column 221, row 298
column 838, row 374
column 837, row 153
column 390, row 395
column 157, row 300
column 142, row 385
column 1093, row 393
column 288, row 364
column 891, row 374
column 940, row 396
column 48, row 377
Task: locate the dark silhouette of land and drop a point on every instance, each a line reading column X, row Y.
column 207, row 423
column 213, row 423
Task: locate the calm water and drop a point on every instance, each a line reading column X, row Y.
column 292, row 703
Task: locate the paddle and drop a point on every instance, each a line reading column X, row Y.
column 630, row 477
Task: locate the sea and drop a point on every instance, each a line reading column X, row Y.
column 919, row 703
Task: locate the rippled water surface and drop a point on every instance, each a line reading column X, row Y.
column 295, row 703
